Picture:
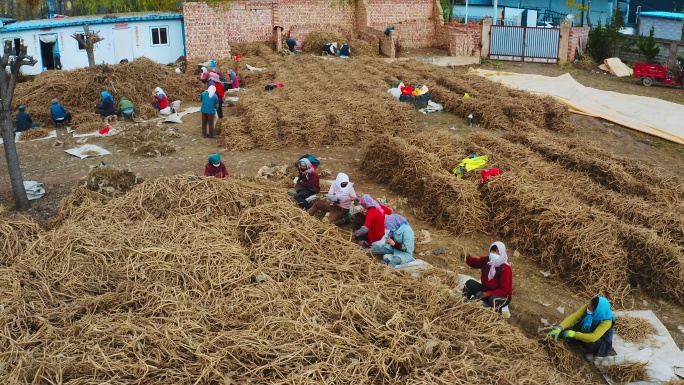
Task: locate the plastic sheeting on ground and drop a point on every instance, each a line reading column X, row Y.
column 87, row 150
column 649, row 115
column 17, row 137
column 34, row 190
column 665, row 360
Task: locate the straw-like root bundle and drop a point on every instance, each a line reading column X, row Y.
column 436, row 195
column 562, row 357
column 34, row 133
column 627, row 372
column 633, row 329
column 110, row 181
column 147, row 139
column 16, row 232
column 252, row 49
column 199, row 279
column 315, row 41
column 78, row 90
column 322, row 103
column 363, row 48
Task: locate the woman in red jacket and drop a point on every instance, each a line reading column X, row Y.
column 373, row 228
column 496, row 289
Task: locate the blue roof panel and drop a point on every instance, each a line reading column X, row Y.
column 93, row 19
column 664, row 15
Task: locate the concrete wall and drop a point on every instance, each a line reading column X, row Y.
column 668, row 29
column 134, row 39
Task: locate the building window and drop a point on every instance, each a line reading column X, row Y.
column 81, row 47
column 160, row 35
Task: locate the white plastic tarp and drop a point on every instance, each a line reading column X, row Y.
column 664, row 359
column 649, row 115
column 87, row 150
column 47, row 39
column 34, row 190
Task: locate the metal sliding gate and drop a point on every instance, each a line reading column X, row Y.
column 524, row 44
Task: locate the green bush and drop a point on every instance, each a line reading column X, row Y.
column 648, row 47
column 603, row 41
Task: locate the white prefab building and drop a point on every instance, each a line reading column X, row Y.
column 157, row 36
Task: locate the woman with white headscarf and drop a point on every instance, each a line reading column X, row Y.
column 496, row 289
column 208, row 109
column 161, row 102
column 340, row 197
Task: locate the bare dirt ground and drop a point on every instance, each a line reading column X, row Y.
column 535, row 297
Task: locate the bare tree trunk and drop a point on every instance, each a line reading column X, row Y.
column 16, row 179
column 589, row 14
column 88, row 39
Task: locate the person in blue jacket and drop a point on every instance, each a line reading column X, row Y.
column 208, row 109
column 106, row 108
column 59, row 113
column 24, row 121
column 399, row 244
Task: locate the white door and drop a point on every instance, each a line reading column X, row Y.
column 123, row 44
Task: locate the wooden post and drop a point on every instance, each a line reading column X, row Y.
column 486, row 33
column 563, row 42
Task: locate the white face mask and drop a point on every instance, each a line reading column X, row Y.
column 494, row 257
column 216, row 164
column 589, row 311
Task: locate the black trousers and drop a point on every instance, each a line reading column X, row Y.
column 472, row 287
column 301, row 195
column 219, row 109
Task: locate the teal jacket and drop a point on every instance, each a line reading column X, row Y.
column 404, row 235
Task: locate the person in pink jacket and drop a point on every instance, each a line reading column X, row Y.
column 340, row 197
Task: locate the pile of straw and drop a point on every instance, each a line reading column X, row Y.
column 34, row 133
column 363, row 48
column 252, row 49
column 627, row 372
column 633, row 329
column 436, row 196
column 210, row 281
column 147, row 139
column 643, row 231
column 78, row 90
column 110, row 181
column 322, row 102
column 16, row 232
column 315, row 41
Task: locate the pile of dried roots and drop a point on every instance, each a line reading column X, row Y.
column 627, row 372
column 78, row 90
column 210, row 281
column 16, row 232
column 323, row 102
column 633, row 329
column 147, row 139
column 110, row 181
column 436, row 195
column 35, row 133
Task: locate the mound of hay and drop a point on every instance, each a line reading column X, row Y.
column 322, row 103
column 627, row 372
column 147, row 139
column 436, row 196
column 78, row 90
column 315, row 41
column 110, row 181
column 16, row 232
column 210, row 281
column 363, row 48
column 34, row 133
column 252, row 49
column 633, row 329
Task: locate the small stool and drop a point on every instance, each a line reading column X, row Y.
column 128, row 113
column 59, row 123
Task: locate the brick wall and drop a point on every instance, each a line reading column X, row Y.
column 210, row 27
column 575, row 34
column 459, row 39
column 387, row 12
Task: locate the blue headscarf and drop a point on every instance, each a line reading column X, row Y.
column 106, row 95
column 601, row 313
column 215, row 158
column 393, row 222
